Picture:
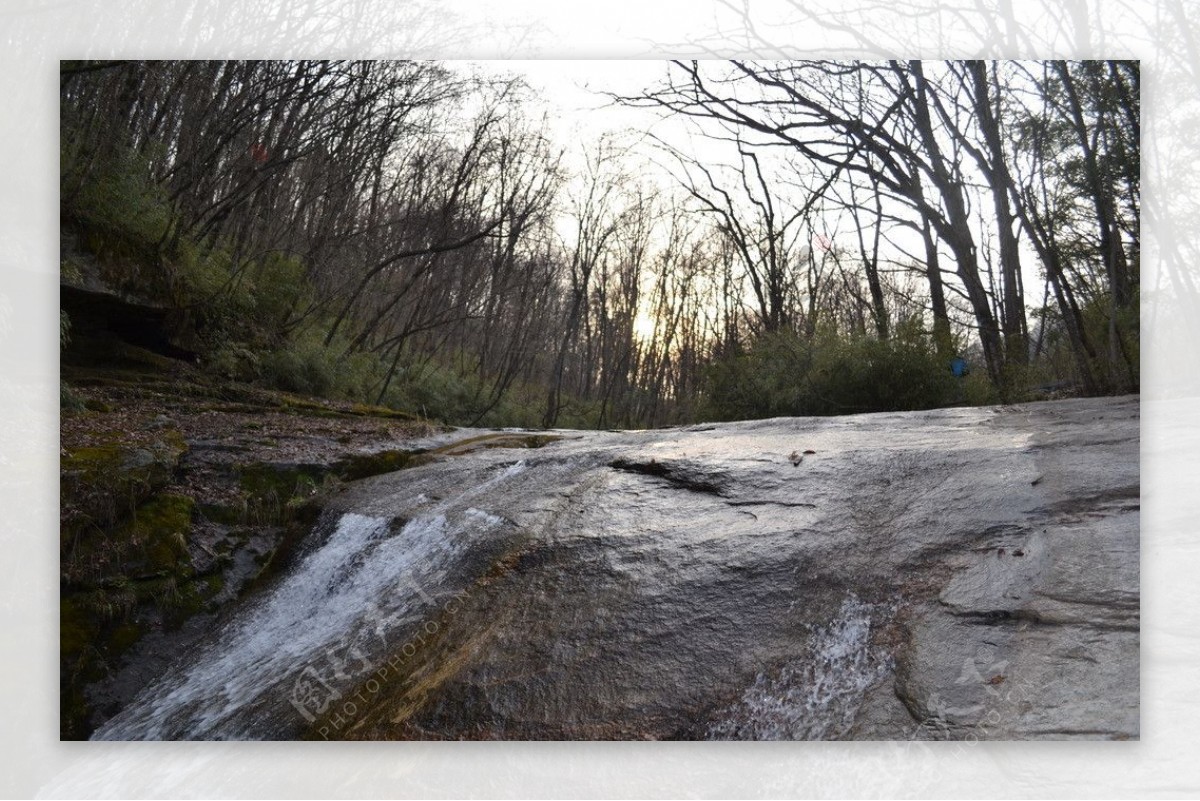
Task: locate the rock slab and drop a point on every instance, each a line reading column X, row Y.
column 951, row 574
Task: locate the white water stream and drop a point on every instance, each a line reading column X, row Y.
column 816, row 696
column 315, row 635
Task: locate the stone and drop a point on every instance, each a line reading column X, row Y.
column 965, row 573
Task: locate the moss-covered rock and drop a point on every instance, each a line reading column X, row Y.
column 262, row 480
column 157, row 536
column 191, row 598
column 277, row 494
column 500, row 440
column 88, row 641
column 152, row 541
column 77, row 627
column 124, row 636
column 103, row 482
column 365, row 410
column 365, row 465
column 229, row 514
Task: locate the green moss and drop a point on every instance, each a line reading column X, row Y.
column 497, row 441
column 229, row 514
column 123, row 638
column 192, row 598
column 77, row 627
column 80, row 630
column 366, row 465
column 159, row 531
column 295, row 404
column 278, row 494
column 365, row 410
column 122, row 358
column 91, row 462
column 104, row 482
column 157, row 591
column 260, row 480
column 212, row 584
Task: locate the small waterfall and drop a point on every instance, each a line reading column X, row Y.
column 816, row 696
column 280, row 661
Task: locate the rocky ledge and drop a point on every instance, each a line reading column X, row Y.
column 952, row 574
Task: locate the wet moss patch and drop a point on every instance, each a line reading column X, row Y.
column 227, row 514
column 192, row 598
column 102, row 482
column 77, row 627
column 274, row 494
column 366, row 465
column 262, row 480
column 501, row 440
column 158, row 531
column 124, row 637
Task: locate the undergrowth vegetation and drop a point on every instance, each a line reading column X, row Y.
column 783, row 374
column 252, row 320
column 308, row 227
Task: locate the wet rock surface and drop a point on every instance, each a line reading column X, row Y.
column 959, row 573
column 180, row 495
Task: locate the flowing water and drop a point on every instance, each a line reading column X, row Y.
column 322, row 628
column 857, row 577
column 815, row 696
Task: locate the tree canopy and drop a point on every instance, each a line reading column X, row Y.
column 413, row 233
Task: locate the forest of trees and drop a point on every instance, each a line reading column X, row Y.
column 411, row 234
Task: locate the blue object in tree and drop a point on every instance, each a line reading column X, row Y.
column 959, row 367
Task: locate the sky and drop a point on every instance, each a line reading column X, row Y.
column 579, row 112
column 573, row 94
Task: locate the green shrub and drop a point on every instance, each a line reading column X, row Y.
column 68, row 400
column 433, row 390
column 1116, row 364
column 234, row 360
column 122, row 216
column 304, row 363
column 782, row 374
column 280, row 285
column 869, row 375
column 1122, row 373
column 977, row 390
column 250, row 304
column 205, row 277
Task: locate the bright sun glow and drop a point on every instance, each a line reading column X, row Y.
column 643, row 326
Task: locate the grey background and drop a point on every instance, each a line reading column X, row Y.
column 37, row 34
